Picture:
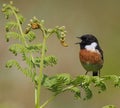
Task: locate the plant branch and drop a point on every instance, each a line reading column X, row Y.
column 19, row 25
column 38, row 90
column 28, row 50
column 49, row 100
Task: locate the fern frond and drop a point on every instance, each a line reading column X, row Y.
column 109, row 106
column 99, row 83
column 37, row 61
column 65, row 78
column 88, row 92
column 30, row 36
column 76, row 91
column 7, row 11
column 57, row 83
column 84, row 82
column 12, row 63
column 114, row 78
column 50, row 61
column 26, row 71
column 29, row 73
column 29, row 60
column 12, row 35
column 11, row 25
column 50, row 83
column 34, row 48
column 21, row 18
column 81, row 80
column 17, row 48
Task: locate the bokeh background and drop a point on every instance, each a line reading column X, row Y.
column 98, row 17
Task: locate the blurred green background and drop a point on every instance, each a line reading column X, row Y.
column 98, row 17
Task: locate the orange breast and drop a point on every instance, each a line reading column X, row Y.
column 91, row 57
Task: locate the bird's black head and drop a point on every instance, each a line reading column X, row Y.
column 87, row 39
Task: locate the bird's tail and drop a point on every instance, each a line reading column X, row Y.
column 95, row 73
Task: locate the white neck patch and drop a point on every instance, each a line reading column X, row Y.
column 91, row 47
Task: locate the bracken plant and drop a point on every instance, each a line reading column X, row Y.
column 35, row 59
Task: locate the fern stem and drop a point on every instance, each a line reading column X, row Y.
column 68, row 88
column 38, row 89
column 36, row 98
column 19, row 25
column 49, row 100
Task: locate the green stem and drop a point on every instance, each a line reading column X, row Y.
column 49, row 100
column 36, row 98
column 68, row 88
column 38, row 88
column 19, row 25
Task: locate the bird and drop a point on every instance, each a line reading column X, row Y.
column 90, row 54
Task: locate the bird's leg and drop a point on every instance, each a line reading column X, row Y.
column 99, row 73
column 86, row 72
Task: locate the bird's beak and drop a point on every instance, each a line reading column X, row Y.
column 77, row 43
column 78, row 38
